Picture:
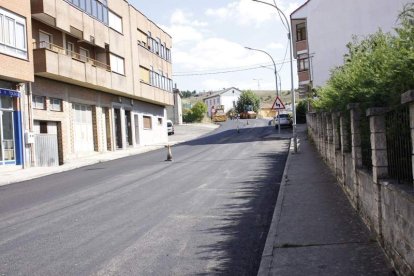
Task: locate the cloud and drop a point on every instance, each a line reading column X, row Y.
column 183, row 28
column 217, row 53
column 275, row 45
column 247, row 12
column 179, row 17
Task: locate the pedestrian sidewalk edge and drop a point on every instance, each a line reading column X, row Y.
column 267, row 255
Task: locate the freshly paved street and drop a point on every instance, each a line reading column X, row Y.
column 207, row 212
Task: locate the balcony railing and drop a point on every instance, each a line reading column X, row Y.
column 74, row 55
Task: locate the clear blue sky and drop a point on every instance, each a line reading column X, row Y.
column 209, row 36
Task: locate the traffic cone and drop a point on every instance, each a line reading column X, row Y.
column 169, row 154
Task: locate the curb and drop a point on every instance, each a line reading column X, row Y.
column 267, row 255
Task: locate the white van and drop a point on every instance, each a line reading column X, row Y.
column 170, row 127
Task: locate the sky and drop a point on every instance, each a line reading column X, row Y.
column 210, row 36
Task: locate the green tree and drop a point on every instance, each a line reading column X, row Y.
column 248, row 98
column 196, row 113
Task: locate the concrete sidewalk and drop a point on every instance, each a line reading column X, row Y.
column 13, row 174
column 315, row 230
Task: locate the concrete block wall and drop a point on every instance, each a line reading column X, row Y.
column 387, row 208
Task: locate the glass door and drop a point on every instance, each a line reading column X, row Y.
column 1, row 138
column 7, row 137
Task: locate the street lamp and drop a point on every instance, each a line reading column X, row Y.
column 295, row 140
column 274, row 65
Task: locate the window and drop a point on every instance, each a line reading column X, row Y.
column 147, row 122
column 44, row 40
column 300, row 32
column 83, row 54
column 70, row 48
column 95, row 8
column 149, row 40
column 115, row 22
column 117, row 64
column 13, row 39
column 168, row 54
column 144, row 74
column 55, row 104
column 303, row 63
column 38, row 102
column 152, row 77
column 159, row 121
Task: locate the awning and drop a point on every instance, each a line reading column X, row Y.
column 9, row 92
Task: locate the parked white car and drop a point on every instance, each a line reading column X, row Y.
column 285, row 120
column 170, row 127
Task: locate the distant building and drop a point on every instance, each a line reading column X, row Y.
column 175, row 112
column 226, row 97
column 321, row 30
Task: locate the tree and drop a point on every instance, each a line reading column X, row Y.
column 196, row 113
column 248, row 98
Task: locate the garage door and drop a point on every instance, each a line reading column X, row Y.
column 82, row 128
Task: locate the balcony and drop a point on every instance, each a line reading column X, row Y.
column 301, row 45
column 54, row 62
column 304, row 77
column 155, row 94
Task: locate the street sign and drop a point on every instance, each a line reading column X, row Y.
column 278, row 104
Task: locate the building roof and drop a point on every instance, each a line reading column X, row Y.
column 300, row 7
column 217, row 93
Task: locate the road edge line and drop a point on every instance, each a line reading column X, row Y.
column 267, row 255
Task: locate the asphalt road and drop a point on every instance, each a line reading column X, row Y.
column 207, row 212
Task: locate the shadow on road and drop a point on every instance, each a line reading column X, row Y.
column 244, row 227
column 245, row 135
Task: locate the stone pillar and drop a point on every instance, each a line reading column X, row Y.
column 355, row 135
column 336, row 136
column 318, row 130
column 356, row 151
column 324, row 136
column 408, row 98
column 345, row 139
column 379, row 162
column 378, row 143
column 330, row 150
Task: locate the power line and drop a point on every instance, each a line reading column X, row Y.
column 221, row 72
column 228, row 68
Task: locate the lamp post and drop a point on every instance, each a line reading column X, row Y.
column 274, row 64
column 292, row 91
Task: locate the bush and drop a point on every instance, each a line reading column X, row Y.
column 301, row 109
column 376, row 72
column 195, row 114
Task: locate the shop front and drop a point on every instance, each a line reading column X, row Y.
column 11, row 146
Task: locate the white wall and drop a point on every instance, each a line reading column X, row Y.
column 331, row 25
column 228, row 98
column 158, row 134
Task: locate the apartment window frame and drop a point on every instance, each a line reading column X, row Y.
column 116, row 67
column 115, row 22
column 38, row 102
column 303, row 62
column 56, row 102
column 97, row 9
column 301, row 32
column 70, row 51
column 147, row 122
column 42, row 43
column 13, row 34
column 84, row 58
